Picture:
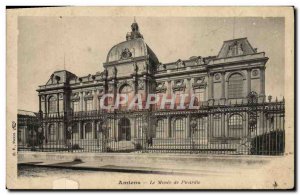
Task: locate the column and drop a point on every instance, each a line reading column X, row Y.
column 223, row 85
column 97, row 100
column 262, row 81
column 65, row 103
column 169, row 87
column 188, row 126
column 209, row 127
column 63, row 132
column 93, row 130
column 57, row 126
column 189, row 86
column 45, row 99
column 57, row 103
column 83, row 131
column 80, row 129
column 166, row 127
column 169, row 127
column 210, row 86
column 94, row 100
column 81, row 101
column 40, row 103
column 248, row 81
column 223, row 125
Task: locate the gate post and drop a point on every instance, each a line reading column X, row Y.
column 252, row 121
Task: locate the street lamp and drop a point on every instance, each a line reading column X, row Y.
column 193, row 125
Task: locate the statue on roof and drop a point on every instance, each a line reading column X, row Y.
column 135, row 33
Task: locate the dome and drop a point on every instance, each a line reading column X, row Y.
column 130, row 49
column 133, row 47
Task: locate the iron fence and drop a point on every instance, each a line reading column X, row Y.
column 251, row 127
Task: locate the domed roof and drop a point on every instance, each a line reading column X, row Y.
column 133, row 47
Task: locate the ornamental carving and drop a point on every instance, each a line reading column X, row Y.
column 161, row 88
column 179, row 85
column 199, row 60
column 199, row 83
column 126, row 54
column 124, row 82
column 255, row 73
column 180, row 63
column 217, row 76
column 161, row 67
column 141, row 85
column 88, row 95
column 101, row 91
column 75, row 97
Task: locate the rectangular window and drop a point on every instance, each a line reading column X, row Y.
column 199, row 94
column 52, row 106
column 75, row 106
column 235, row 86
column 89, row 105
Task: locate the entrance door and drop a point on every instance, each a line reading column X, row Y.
column 124, row 130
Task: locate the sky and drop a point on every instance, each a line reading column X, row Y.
column 80, row 45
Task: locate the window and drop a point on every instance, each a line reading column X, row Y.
column 199, row 94
column 160, row 125
column 235, row 126
column 235, row 86
column 52, row 104
column 217, row 130
column 235, row 49
column 126, row 90
column 75, row 106
column 200, row 130
column 51, row 133
column 88, row 131
column 179, row 125
column 160, row 128
column 89, row 105
column 75, row 128
column 75, row 131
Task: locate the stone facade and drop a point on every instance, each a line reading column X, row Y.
column 132, row 67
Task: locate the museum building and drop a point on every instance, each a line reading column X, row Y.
column 71, row 113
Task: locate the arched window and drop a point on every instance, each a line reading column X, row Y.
column 125, row 89
column 235, row 126
column 179, row 125
column 88, row 131
column 201, row 126
column 235, row 86
column 51, row 133
column 52, row 104
column 75, row 131
column 160, row 128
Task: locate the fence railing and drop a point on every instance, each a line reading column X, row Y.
column 248, row 128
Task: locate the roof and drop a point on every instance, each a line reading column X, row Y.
column 134, row 48
column 236, row 47
column 61, row 76
column 26, row 113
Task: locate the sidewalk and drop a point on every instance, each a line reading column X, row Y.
column 190, row 164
